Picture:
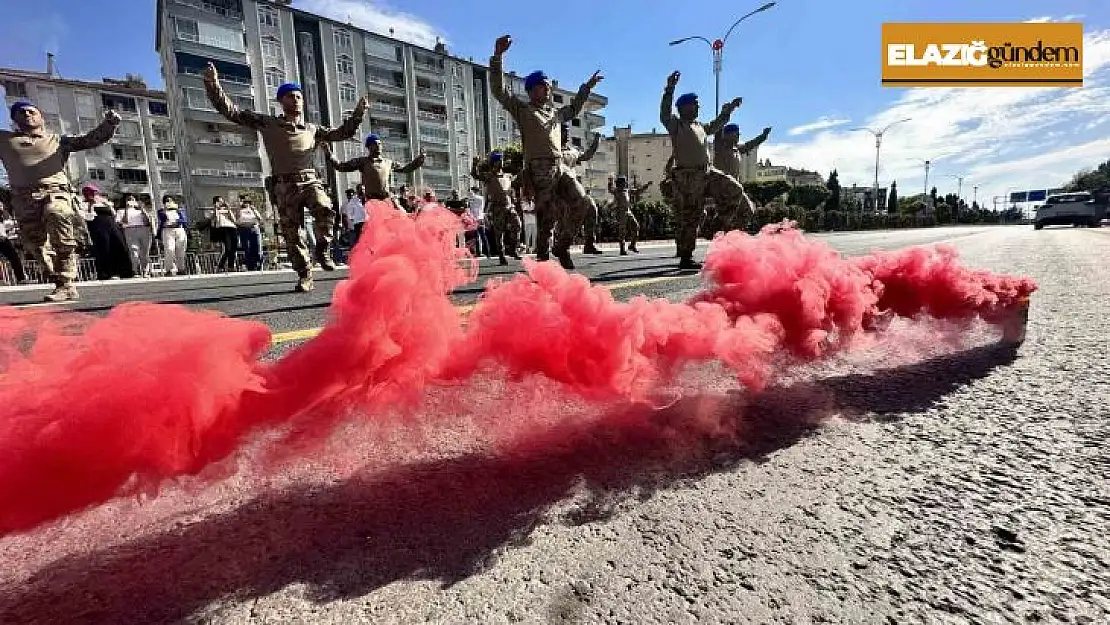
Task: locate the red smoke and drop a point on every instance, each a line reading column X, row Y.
column 98, row 408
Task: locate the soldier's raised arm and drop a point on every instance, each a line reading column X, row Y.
column 669, row 167
column 475, row 172
column 95, row 137
column 640, row 189
column 715, row 126
column 497, row 77
column 349, row 126
column 571, row 110
column 666, row 117
column 355, row 164
column 413, row 165
column 590, row 151
column 224, row 105
column 754, row 143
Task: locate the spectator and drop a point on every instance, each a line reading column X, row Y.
column 225, row 233
column 309, row 227
column 530, row 227
column 249, row 223
column 172, row 222
column 354, row 216
column 7, row 248
column 476, row 206
column 111, row 254
column 138, row 232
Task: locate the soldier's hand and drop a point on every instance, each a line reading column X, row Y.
column 767, row 130
column 363, row 103
column 112, row 116
column 672, row 80
column 210, row 73
column 736, row 102
column 596, row 78
column 502, row 44
column 421, row 154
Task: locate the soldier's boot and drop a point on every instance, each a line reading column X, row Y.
column 624, row 252
column 62, row 293
column 564, row 259
column 323, row 256
column 688, row 263
column 504, row 261
column 304, row 283
column 632, row 248
column 590, row 249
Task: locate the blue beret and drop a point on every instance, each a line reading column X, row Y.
column 288, row 88
column 686, row 98
column 496, row 156
column 19, row 106
column 372, row 138
column 732, row 128
column 533, row 79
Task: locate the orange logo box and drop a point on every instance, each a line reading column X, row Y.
column 983, row 55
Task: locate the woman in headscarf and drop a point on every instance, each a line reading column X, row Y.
column 110, row 250
column 225, row 233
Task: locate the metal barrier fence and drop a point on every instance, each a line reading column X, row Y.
column 197, row 263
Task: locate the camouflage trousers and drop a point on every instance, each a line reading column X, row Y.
column 505, row 228
column 628, row 227
column 556, row 191
column 291, row 199
column 46, row 223
column 690, row 187
column 590, row 224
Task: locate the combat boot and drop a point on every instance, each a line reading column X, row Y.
column 504, row 261
column 564, row 259
column 304, row 283
column 323, row 256
column 590, row 249
column 632, row 248
column 624, row 252
column 62, row 293
column 688, row 263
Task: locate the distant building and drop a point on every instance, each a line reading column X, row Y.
column 419, row 97
column 140, row 159
column 766, row 172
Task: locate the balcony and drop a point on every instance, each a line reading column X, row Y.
column 437, row 139
column 133, row 187
column 381, row 109
column 428, row 116
column 226, row 178
column 232, row 84
column 217, row 145
column 434, row 68
column 171, row 187
column 127, row 139
column 381, row 84
column 375, row 60
column 431, row 93
column 213, row 8
column 394, row 137
column 593, row 120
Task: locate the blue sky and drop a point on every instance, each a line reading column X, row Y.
column 802, row 65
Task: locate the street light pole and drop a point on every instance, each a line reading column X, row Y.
column 975, row 196
column 878, row 144
column 925, row 191
column 718, row 47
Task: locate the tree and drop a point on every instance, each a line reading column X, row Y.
column 943, row 213
column 892, row 199
column 933, row 199
column 975, row 206
column 807, row 196
column 764, row 192
column 1091, row 179
column 833, row 185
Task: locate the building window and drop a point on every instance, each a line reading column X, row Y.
column 129, row 130
column 14, row 89
column 160, row 133
column 158, row 108
column 86, row 123
column 97, row 173
column 186, row 29
column 347, row 92
column 342, row 40
column 126, row 153
column 119, row 102
column 274, row 77
column 46, row 99
column 170, row 177
column 381, row 49
column 86, row 104
column 344, row 64
column 167, row 155
column 53, row 122
column 267, row 18
column 558, row 98
column 132, row 176
column 271, row 49
column 235, row 165
column 275, row 109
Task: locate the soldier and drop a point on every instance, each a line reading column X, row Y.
column 728, row 156
column 694, row 178
column 377, row 171
column 498, row 187
column 549, row 180
column 42, row 198
column 628, row 227
column 290, row 145
column 572, row 158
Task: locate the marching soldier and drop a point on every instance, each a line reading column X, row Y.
column 572, row 158
column 290, row 145
column 694, row 178
column 498, row 187
column 377, row 171
column 628, row 227
column 42, row 198
column 549, row 180
column 729, row 155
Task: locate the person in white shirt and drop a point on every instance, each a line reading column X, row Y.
column 225, row 233
column 172, row 224
column 249, row 222
column 354, row 215
column 530, row 226
column 138, row 232
column 477, row 210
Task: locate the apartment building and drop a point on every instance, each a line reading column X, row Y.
column 140, row 159
column 642, row 157
column 419, row 98
column 766, row 172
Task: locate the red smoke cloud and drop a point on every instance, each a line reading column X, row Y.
column 99, row 408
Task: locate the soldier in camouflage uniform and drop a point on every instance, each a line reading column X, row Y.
column 728, row 156
column 43, row 201
column 377, row 171
column 694, row 178
column 290, row 145
column 628, row 227
column 549, row 180
column 499, row 191
column 572, row 158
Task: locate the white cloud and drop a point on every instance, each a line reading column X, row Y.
column 824, row 122
column 997, row 138
column 376, row 17
column 1049, row 18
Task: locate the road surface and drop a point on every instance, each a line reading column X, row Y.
column 928, row 482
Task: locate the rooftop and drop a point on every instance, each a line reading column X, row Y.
column 131, row 85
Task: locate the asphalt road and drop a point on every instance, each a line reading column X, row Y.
column 931, row 479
